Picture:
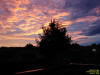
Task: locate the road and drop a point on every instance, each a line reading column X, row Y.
column 70, row 69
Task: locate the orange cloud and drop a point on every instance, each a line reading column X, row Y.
column 12, row 30
column 25, row 28
column 75, row 33
column 78, row 37
column 52, row 11
column 34, row 13
column 60, row 15
column 67, row 23
column 87, row 19
column 15, row 38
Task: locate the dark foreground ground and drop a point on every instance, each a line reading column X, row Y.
column 16, row 61
column 70, row 69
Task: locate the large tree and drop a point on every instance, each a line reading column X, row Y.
column 54, row 40
column 54, row 36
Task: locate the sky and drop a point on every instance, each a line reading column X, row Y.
column 21, row 20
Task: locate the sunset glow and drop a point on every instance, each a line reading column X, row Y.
column 21, row 20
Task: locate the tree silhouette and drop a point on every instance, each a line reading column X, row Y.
column 54, row 36
column 54, row 40
column 29, row 45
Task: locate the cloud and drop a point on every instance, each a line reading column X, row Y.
column 85, row 16
column 93, row 30
column 89, row 19
column 81, row 8
column 23, row 19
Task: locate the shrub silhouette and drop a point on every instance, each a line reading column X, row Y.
column 54, row 41
column 29, row 45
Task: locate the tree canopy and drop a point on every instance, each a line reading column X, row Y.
column 54, row 36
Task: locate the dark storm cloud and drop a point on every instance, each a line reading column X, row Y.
column 80, row 8
column 94, row 30
column 85, row 15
